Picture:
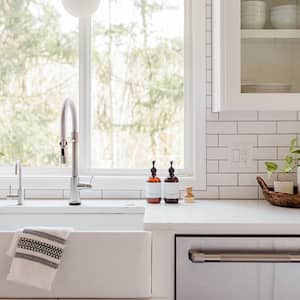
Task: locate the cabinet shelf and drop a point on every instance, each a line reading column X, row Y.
column 271, row 34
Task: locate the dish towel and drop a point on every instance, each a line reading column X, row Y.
column 36, row 254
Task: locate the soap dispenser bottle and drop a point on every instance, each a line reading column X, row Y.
column 171, row 187
column 153, row 187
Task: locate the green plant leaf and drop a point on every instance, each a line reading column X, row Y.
column 293, row 145
column 296, row 151
column 289, row 163
column 271, row 167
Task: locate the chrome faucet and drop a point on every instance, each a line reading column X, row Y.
column 75, row 186
column 20, row 195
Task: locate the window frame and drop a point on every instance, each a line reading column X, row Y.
column 194, row 115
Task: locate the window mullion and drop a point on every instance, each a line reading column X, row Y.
column 85, row 87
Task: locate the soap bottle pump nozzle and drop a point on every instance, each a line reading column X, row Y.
column 171, row 169
column 153, row 170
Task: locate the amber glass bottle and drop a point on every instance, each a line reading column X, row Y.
column 171, row 187
column 153, row 187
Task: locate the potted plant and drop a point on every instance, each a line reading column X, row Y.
column 290, row 164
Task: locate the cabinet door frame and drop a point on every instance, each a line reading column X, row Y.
column 227, row 94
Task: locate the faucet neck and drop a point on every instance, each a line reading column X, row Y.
column 68, row 103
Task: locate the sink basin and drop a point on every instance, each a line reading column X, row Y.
column 92, row 215
column 107, row 249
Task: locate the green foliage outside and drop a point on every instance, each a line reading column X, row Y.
column 39, row 68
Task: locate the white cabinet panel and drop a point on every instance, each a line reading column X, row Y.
column 255, row 69
column 95, row 265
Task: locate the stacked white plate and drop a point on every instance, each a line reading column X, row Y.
column 272, row 88
column 298, row 15
column 284, row 16
column 253, row 14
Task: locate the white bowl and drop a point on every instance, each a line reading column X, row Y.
column 253, row 8
column 253, row 3
column 253, row 24
column 284, row 7
column 284, row 13
column 283, row 22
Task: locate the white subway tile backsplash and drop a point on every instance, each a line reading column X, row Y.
column 237, row 140
column 275, row 140
column 212, row 192
column 212, row 140
column 222, row 179
column 264, row 153
column 238, row 192
column 282, row 152
column 212, row 166
column 238, row 115
column 217, row 153
column 250, row 179
column 289, row 127
column 256, row 127
column 221, row 127
column 229, row 167
column 277, row 115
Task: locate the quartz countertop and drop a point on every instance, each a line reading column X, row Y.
column 219, row 217
column 224, row 217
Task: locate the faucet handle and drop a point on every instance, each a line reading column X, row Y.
column 85, row 186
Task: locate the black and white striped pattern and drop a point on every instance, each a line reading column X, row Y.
column 40, row 247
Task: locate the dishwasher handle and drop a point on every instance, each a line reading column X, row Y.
column 199, row 256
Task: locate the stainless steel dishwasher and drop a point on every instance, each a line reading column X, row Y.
column 235, row 268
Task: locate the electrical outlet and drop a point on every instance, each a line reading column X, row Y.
column 241, row 156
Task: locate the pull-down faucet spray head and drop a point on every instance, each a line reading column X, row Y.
column 63, row 151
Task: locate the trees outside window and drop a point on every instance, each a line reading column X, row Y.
column 136, row 70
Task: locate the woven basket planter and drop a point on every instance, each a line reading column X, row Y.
column 279, row 199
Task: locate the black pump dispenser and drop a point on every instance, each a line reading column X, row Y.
column 153, row 170
column 171, row 186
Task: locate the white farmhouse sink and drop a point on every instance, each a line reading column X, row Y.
column 107, row 256
column 92, row 215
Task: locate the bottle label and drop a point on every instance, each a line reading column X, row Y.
column 153, row 190
column 171, row 190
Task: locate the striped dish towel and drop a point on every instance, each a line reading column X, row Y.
column 36, row 254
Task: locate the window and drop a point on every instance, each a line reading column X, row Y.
column 39, row 67
column 140, row 68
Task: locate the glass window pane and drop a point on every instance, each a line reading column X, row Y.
column 138, row 84
column 38, row 59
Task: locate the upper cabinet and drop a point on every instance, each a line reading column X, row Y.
column 256, row 55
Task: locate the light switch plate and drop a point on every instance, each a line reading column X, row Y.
column 241, row 156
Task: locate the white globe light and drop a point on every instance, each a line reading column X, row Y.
column 81, row 8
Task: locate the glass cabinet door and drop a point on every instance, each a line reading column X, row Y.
column 270, row 46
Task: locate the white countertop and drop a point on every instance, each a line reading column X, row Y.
column 223, row 217
column 202, row 217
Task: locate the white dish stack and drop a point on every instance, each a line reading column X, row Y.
column 253, row 14
column 285, row 16
column 298, row 15
column 268, row 87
